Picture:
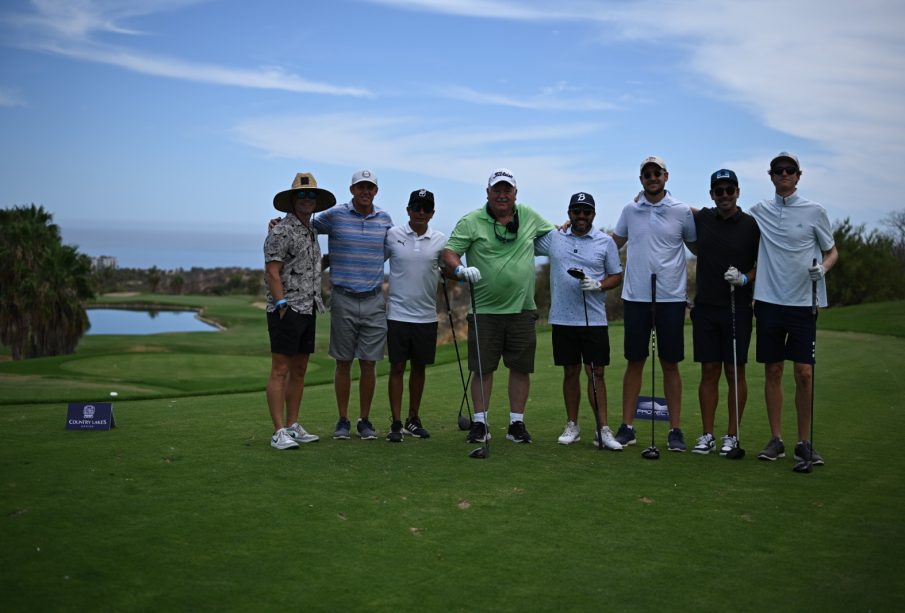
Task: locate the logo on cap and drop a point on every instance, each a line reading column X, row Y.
column 422, row 193
column 366, row 174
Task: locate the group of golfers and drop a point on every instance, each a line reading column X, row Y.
column 784, row 242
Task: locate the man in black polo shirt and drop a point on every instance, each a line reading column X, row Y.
column 727, row 254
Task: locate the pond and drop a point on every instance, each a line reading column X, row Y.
column 128, row 321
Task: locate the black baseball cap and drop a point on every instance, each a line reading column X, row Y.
column 422, row 198
column 723, row 175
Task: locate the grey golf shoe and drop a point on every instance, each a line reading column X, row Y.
column 343, row 427
column 804, row 449
column 675, row 440
column 365, row 430
column 774, row 450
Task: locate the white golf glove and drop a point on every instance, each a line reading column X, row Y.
column 816, row 272
column 470, row 274
column 589, row 285
column 734, row 277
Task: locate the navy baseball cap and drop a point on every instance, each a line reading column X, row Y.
column 582, row 199
column 723, row 175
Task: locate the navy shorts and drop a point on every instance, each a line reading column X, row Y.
column 577, row 344
column 785, row 333
column 712, row 332
column 670, row 330
column 292, row 334
column 411, row 341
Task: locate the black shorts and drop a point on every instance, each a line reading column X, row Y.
column 712, row 333
column 411, row 341
column 292, row 334
column 577, row 344
column 785, row 333
column 670, row 330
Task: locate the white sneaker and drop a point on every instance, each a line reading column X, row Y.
column 609, row 441
column 705, row 444
column 282, row 440
column 729, row 443
column 571, row 434
column 300, row 435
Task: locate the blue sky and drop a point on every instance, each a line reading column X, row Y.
column 158, row 132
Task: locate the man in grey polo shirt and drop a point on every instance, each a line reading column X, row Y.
column 413, row 250
column 581, row 335
column 794, row 232
column 656, row 228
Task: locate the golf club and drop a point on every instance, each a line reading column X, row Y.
column 579, row 274
column 807, row 464
column 464, row 422
column 736, row 453
column 652, row 453
column 483, row 452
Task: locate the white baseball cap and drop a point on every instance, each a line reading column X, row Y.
column 364, row 176
column 787, row 156
column 501, row 174
column 653, row 160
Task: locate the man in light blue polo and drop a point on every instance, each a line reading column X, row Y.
column 356, row 231
column 794, row 232
column 656, row 227
column 581, row 336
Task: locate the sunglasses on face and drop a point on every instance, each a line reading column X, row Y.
column 653, row 173
column 719, row 191
column 784, row 170
column 418, row 208
column 581, row 210
column 305, row 195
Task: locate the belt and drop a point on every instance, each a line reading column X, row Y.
column 359, row 295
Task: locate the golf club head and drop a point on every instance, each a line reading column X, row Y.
column 464, row 422
column 480, row 453
column 736, row 453
column 805, row 466
column 651, row 453
column 576, row 272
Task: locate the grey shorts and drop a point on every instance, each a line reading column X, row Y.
column 358, row 327
column 511, row 336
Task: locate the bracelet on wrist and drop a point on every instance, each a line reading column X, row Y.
column 280, row 302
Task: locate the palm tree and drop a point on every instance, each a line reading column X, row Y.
column 43, row 285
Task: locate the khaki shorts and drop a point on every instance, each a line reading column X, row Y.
column 358, row 327
column 512, row 336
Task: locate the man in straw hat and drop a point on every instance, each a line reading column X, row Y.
column 292, row 261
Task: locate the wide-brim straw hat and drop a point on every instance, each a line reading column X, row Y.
column 283, row 201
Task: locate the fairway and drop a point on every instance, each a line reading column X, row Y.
column 186, row 507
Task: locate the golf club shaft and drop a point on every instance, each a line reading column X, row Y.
column 813, row 358
column 452, row 329
column 587, row 325
column 653, row 353
column 477, row 345
column 734, row 360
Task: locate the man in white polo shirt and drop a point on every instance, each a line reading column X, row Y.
column 413, row 250
column 794, row 232
column 656, row 227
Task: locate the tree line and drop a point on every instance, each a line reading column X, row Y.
column 45, row 285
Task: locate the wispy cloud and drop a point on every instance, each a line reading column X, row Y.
column 555, row 98
column 828, row 72
column 10, row 97
column 72, row 29
column 405, row 144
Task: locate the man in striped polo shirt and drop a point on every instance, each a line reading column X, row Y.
column 356, row 231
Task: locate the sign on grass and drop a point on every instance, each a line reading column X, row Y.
column 90, row 416
column 643, row 409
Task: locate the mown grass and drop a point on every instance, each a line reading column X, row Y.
column 185, row 506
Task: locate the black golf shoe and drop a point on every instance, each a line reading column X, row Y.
column 518, row 433
column 413, row 426
column 478, row 433
column 625, row 435
column 675, row 440
column 395, row 433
